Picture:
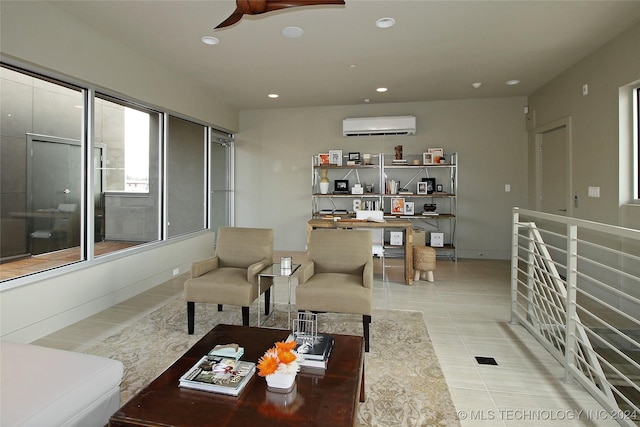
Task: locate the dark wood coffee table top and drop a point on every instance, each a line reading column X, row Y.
column 327, row 398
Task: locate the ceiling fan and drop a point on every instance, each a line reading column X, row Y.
column 256, row 7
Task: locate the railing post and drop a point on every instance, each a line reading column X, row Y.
column 571, row 303
column 514, row 265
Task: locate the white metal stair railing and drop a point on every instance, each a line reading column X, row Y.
column 580, row 297
column 547, row 307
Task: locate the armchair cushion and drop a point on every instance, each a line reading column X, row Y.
column 241, row 247
column 335, row 292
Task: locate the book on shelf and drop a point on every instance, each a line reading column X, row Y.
column 219, row 375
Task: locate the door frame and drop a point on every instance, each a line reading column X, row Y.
column 31, row 138
column 538, row 131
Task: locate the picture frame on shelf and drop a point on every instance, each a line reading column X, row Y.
column 421, row 187
column 409, row 208
column 427, row 159
column 397, row 205
column 431, row 185
column 354, row 157
column 437, row 155
column 341, row 186
column 439, row 188
column 335, row 157
column 323, row 158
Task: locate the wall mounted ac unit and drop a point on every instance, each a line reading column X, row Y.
column 373, row 126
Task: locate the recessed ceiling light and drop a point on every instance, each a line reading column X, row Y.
column 512, row 82
column 385, row 22
column 292, row 32
column 273, row 95
column 476, row 85
column 381, row 89
column 210, row 40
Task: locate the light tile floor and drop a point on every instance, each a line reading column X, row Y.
column 466, row 311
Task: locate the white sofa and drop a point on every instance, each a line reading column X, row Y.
column 41, row 386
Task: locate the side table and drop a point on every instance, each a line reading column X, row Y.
column 274, row 271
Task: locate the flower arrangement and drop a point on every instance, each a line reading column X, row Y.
column 280, row 359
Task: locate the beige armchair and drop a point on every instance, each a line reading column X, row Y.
column 338, row 276
column 231, row 275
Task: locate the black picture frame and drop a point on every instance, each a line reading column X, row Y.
column 341, row 186
column 431, row 185
column 354, row 157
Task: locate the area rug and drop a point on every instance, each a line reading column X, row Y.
column 404, row 383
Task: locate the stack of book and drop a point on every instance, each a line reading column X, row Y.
column 316, row 354
column 225, row 375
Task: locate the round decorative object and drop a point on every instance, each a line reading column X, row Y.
column 280, row 382
column 324, row 182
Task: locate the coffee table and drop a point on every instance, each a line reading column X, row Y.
column 325, row 397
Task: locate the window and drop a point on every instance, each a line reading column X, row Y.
column 41, row 174
column 128, row 194
column 186, row 177
column 43, row 148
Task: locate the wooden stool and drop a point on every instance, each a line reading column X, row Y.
column 424, row 262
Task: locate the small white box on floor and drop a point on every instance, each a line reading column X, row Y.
column 395, row 237
column 437, row 240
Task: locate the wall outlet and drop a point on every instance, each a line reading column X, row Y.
column 593, row 192
column 176, row 271
column 507, row 188
column 585, row 89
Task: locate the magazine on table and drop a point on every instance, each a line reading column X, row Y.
column 219, row 375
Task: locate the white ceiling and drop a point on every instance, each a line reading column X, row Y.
column 436, row 50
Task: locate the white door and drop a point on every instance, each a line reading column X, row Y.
column 554, row 196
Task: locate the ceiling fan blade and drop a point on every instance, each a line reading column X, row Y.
column 283, row 4
column 235, row 17
column 257, row 7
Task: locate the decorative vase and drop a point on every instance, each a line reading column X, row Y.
column 280, row 382
column 324, row 182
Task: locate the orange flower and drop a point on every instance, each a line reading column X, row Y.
column 286, row 357
column 286, row 346
column 277, row 358
column 268, row 363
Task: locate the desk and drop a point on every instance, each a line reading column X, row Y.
column 403, row 224
column 330, row 399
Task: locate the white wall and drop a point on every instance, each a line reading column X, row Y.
column 36, row 309
column 600, row 147
column 274, row 149
column 44, row 35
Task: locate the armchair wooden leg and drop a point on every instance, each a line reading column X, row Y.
column 267, row 301
column 366, row 320
column 245, row 316
column 219, row 307
column 191, row 314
